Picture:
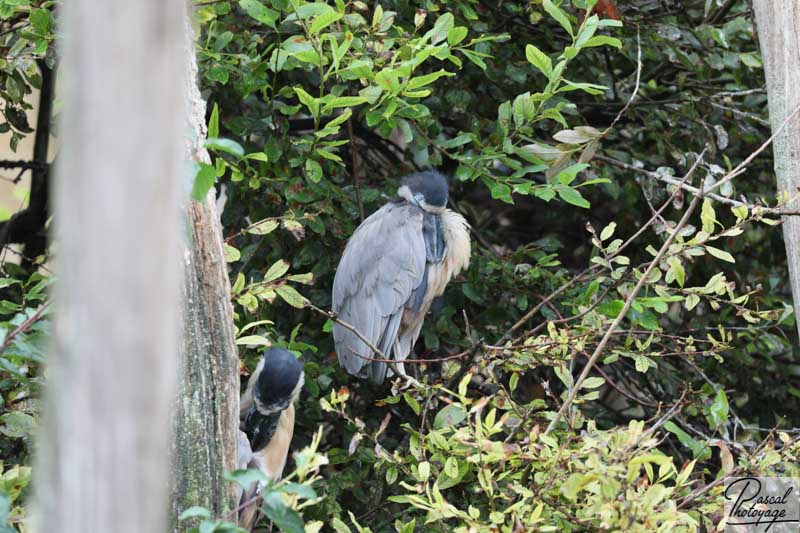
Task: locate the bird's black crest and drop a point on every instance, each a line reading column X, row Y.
column 430, row 184
column 278, row 378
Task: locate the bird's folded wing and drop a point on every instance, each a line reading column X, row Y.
column 383, row 263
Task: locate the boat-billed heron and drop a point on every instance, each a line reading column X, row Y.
column 397, row 261
column 266, row 417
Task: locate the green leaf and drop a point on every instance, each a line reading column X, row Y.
column 195, row 512
column 41, row 21
column 260, row 12
column 608, row 231
column 611, row 309
column 569, row 174
column 203, row 181
column 231, row 254
column 304, row 491
column 451, row 467
column 708, row 216
column 17, row 424
column 602, row 40
column 421, row 81
column 291, row 296
column 324, row 20
column 718, row 410
column 501, row 191
column 456, row 35
column 412, row 403
column 556, row 12
column 307, row 100
column 572, row 196
column 347, row 113
column 263, row 227
column 314, row 9
column 246, row 478
column 441, row 28
column 450, row 416
column 278, row 269
column 313, row 170
column 283, row 516
column 345, row 101
column 213, row 122
column 677, row 270
column 720, row 254
column 539, row 59
column 593, row 382
column 224, row 145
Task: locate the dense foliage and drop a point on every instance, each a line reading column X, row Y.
column 576, row 143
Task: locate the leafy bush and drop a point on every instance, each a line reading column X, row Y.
column 330, row 103
column 576, row 146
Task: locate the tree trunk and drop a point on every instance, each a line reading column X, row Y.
column 103, row 464
column 778, row 24
column 207, row 420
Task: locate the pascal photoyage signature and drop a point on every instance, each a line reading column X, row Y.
column 753, row 508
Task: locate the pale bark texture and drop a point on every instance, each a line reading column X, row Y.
column 207, row 418
column 104, row 461
column 778, row 23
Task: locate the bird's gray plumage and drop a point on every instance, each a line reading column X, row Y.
column 395, row 264
column 382, row 265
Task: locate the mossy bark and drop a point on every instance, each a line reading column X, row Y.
column 206, row 418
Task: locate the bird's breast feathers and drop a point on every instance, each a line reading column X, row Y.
column 272, row 458
column 458, row 249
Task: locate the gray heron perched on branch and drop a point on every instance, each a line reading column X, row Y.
column 397, row 261
column 266, row 418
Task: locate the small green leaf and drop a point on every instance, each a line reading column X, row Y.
column 278, row 269
column 556, row 12
column 324, row 20
column 291, row 296
column 456, row 35
column 572, row 196
column 708, row 216
column 258, row 156
column 720, row 254
column 608, row 231
column 213, row 122
column 224, row 145
column 41, row 21
column 450, row 416
column 195, row 512
column 412, row 403
column 283, row 516
column 232, row 254
column 263, row 227
column 260, row 12
column 203, row 181
column 539, row 59
column 718, row 410
column 602, row 40
column 313, row 171
column 441, row 28
column 17, row 424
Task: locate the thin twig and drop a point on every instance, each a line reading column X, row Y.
column 23, row 327
column 636, row 86
column 356, row 168
column 625, row 308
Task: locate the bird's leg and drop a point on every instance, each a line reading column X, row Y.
column 400, row 370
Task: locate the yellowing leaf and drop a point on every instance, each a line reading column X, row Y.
column 720, row 254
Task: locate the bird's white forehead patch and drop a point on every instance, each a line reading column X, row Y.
column 405, row 193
